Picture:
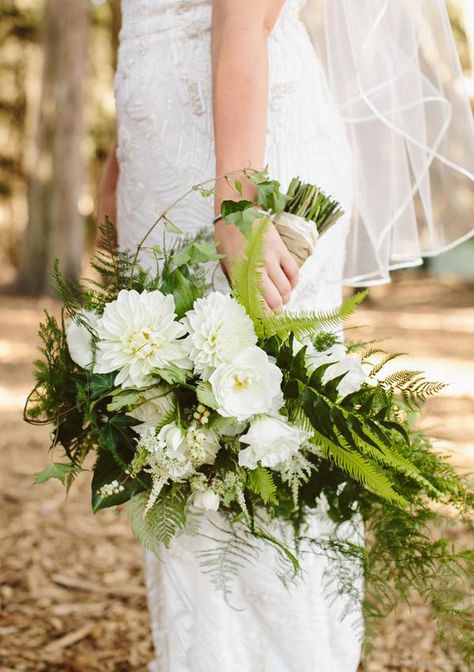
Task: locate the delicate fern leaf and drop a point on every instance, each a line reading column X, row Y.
column 246, row 276
column 307, row 324
column 383, row 362
column 359, row 469
column 371, row 444
column 224, row 556
column 162, row 522
column 261, row 483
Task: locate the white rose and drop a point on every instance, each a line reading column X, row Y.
column 153, row 405
column 352, row 381
column 79, row 337
column 248, row 385
column 208, row 500
column 271, row 442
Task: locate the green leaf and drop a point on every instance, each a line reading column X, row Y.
column 170, row 227
column 162, row 522
column 262, row 484
column 57, row 470
column 99, row 383
column 205, row 395
column 241, row 214
column 107, row 470
column 127, row 398
column 246, row 276
column 172, row 374
column 206, row 193
column 183, row 290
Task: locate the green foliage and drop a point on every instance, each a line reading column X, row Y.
column 260, row 481
column 159, row 525
column 246, row 276
column 308, row 201
column 309, row 324
column 62, row 472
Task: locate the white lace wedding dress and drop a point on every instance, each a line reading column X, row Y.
column 165, row 145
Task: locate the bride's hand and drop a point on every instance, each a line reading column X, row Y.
column 280, row 274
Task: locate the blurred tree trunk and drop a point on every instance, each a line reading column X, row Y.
column 55, row 227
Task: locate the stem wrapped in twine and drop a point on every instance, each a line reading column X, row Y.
column 308, row 214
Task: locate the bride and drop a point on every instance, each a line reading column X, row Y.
column 205, row 87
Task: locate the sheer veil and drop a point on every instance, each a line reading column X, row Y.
column 395, row 72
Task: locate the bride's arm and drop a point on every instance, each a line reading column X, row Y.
column 240, row 30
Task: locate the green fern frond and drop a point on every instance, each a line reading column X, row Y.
column 162, row 522
column 412, row 386
column 383, row 362
column 307, row 324
column 246, row 276
column 225, row 556
column 359, row 468
column 386, row 455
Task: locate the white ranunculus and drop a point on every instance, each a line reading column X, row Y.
column 138, row 333
column 208, row 500
column 271, row 442
column 153, row 405
column 316, row 358
column 79, row 338
column 355, row 374
column 219, row 328
column 171, row 438
column 248, row 385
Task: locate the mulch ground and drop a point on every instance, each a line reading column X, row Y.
column 72, row 593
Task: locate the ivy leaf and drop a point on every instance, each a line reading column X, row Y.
column 206, row 193
column 241, row 214
column 106, row 470
column 170, row 227
column 261, row 483
column 57, row 470
column 125, row 399
column 100, row 383
column 183, row 291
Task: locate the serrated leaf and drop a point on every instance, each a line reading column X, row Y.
column 125, row 399
column 205, row 395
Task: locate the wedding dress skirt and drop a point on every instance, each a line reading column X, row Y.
column 165, row 145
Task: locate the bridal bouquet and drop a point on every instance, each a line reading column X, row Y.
column 192, row 400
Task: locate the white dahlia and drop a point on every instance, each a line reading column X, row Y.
column 138, row 333
column 219, row 328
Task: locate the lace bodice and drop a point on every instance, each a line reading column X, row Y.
column 165, row 145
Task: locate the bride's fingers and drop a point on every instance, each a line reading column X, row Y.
column 290, row 268
column 279, row 279
column 270, row 293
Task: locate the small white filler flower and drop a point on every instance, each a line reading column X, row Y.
column 138, row 333
column 271, row 442
column 248, row 385
column 219, row 328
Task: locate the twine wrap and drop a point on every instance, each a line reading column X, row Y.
column 299, row 235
